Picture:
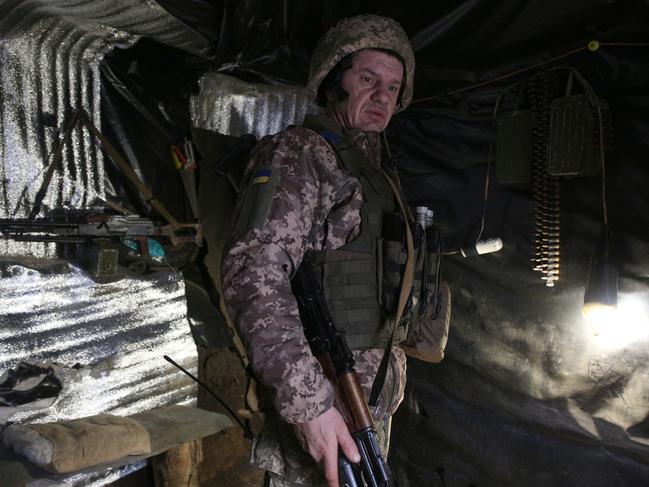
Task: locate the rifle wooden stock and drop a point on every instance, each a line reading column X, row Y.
column 349, row 398
column 356, row 403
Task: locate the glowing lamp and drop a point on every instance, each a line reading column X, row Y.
column 600, row 297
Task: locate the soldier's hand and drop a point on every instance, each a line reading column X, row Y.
column 320, row 438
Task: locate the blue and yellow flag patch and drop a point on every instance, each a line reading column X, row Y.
column 261, row 176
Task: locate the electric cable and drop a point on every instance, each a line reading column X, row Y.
column 246, row 429
column 590, row 46
column 483, row 220
column 489, row 159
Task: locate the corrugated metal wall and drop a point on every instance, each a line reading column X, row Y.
column 105, row 341
column 233, row 107
column 50, row 52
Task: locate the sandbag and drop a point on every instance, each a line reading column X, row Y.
column 72, row 445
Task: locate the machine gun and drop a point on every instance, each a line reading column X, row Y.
column 98, row 241
column 330, row 348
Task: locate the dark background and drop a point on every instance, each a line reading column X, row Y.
column 524, row 396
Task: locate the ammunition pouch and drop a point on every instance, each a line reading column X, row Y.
column 428, row 333
column 423, row 328
column 350, row 285
column 362, row 290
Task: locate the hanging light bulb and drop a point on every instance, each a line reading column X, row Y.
column 600, row 297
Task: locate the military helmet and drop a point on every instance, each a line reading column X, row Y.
column 362, row 32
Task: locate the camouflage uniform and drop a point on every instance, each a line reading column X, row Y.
column 298, row 199
column 313, row 204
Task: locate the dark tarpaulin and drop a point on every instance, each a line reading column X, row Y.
column 145, row 99
column 527, row 395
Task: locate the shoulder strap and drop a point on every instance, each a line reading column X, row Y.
column 404, row 293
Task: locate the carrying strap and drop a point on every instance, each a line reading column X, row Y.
column 404, row 294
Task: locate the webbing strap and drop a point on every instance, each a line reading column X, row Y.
column 409, row 270
column 349, row 284
column 406, row 286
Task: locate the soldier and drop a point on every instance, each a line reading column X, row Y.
column 302, row 196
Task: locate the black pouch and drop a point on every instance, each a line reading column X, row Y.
column 392, row 257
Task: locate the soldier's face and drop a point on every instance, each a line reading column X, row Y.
column 373, row 83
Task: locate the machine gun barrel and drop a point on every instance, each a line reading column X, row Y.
column 91, row 226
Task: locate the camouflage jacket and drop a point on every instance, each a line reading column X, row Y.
column 297, row 199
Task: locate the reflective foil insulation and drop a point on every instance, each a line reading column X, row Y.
column 104, row 342
column 230, row 106
column 49, row 56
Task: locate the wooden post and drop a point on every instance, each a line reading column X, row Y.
column 178, row 467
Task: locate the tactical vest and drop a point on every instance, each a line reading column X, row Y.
column 361, row 279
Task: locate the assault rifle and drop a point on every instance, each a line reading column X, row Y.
column 98, row 241
column 330, row 348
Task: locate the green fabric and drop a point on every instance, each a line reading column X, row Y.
column 351, row 274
